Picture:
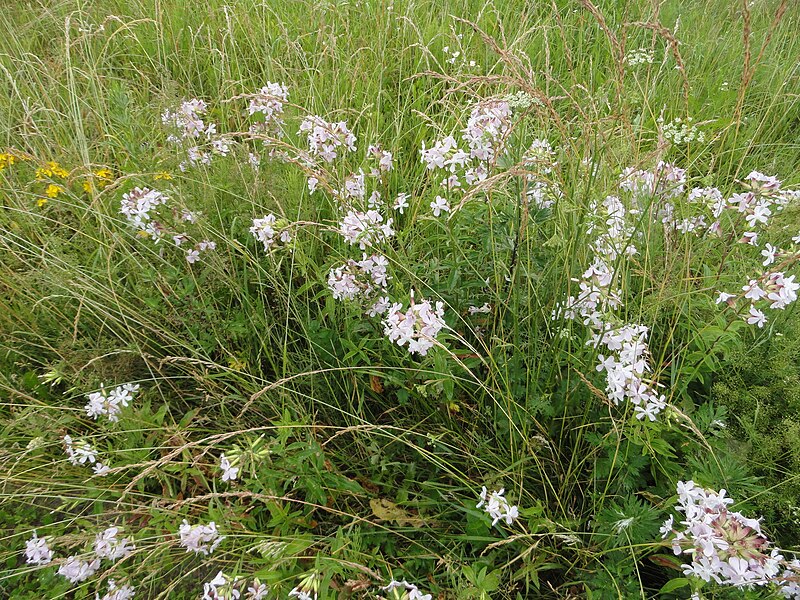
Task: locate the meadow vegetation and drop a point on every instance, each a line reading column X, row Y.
column 417, row 298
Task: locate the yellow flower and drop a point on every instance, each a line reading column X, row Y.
column 41, row 202
column 53, row 190
column 6, row 160
column 87, row 186
column 162, row 175
column 58, row 171
column 43, row 173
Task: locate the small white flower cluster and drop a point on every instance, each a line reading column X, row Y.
column 627, row 364
column 229, row 472
column 201, row 539
column 365, row 228
column 522, row 101
column 638, row 57
column 626, row 369
column 680, row 132
column 110, row 403
column 774, row 290
column 384, row 158
column 543, row 195
column 540, row 157
column 325, row 139
column 137, row 205
column 108, row 545
column 270, row 101
column 193, row 255
column 665, row 181
column 496, row 505
column 271, row 230
column 487, row 127
column 37, row 552
column 187, row 121
column 364, row 278
column 418, row 326
column 126, row 592
column 485, row 309
column 725, row 546
column 81, row 452
column 411, row 591
column 76, row 570
column 223, row 587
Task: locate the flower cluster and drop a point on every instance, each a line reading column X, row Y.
column 76, row 570
column 201, row 539
column 411, row 591
column 496, row 505
column 665, row 181
column 325, row 139
column 417, row 326
column 365, row 228
column 81, row 452
column 187, row 119
column 270, row 101
column 110, row 403
column 682, row 131
column 627, row 364
column 108, row 545
column 137, row 205
column 188, row 125
column 126, row 592
column 641, row 56
column 726, row 546
column 488, row 125
column 271, row 230
column 626, row 368
column 384, row 158
column 364, row 278
column 229, row 472
column 37, row 552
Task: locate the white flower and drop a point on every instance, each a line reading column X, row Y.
column 418, row 326
column 107, row 545
column 229, row 472
column 723, row 297
column 79, row 452
column 401, row 203
column 77, row 570
column 411, row 589
column 440, row 205
column 325, row 139
column 37, row 552
column 115, row 592
column 365, row 228
column 769, row 253
column 486, row 308
column 257, row 591
column 110, row 403
column 192, row 256
column 202, row 539
column 497, row 506
column 756, row 317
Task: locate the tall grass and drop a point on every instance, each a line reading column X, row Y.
column 247, row 353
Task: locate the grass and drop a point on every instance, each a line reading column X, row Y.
column 247, row 353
